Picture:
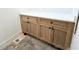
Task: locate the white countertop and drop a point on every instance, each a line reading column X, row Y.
column 57, row 16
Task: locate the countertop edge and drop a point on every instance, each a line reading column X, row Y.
column 47, row 18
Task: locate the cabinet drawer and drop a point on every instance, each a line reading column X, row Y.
column 61, row 24
column 25, row 18
column 29, row 19
column 33, row 19
column 44, row 21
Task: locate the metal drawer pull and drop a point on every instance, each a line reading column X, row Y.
column 28, row 22
column 27, row 17
column 51, row 22
column 50, row 28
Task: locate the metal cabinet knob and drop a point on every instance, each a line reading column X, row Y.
column 28, row 22
column 50, row 27
column 51, row 22
column 27, row 17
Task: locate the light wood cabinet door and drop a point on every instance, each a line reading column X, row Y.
column 35, row 29
column 59, row 37
column 26, row 27
column 45, row 33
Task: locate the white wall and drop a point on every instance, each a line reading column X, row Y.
column 9, row 23
column 75, row 40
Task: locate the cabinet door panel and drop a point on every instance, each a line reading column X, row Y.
column 34, row 29
column 42, row 32
column 59, row 37
column 26, row 27
column 45, row 33
column 48, row 35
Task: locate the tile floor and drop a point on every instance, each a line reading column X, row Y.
column 29, row 43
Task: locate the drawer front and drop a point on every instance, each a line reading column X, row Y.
column 33, row 19
column 44, row 21
column 26, row 18
column 29, row 19
column 61, row 24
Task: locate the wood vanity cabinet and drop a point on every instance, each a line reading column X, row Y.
column 57, row 33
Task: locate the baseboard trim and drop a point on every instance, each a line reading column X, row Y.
column 9, row 40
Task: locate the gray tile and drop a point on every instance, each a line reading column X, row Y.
column 30, row 43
